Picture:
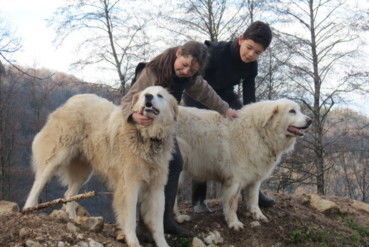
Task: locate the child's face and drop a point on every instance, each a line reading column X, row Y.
column 185, row 66
column 250, row 51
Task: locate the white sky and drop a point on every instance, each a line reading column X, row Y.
column 27, row 19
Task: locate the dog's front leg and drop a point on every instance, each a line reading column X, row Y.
column 252, row 200
column 152, row 211
column 124, row 204
column 231, row 195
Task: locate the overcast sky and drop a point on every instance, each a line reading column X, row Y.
column 27, row 19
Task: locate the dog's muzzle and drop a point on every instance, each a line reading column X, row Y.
column 149, row 108
column 299, row 131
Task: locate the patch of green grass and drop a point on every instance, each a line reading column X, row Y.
column 183, row 242
column 355, row 237
column 358, row 236
column 304, row 234
column 350, row 240
column 362, row 230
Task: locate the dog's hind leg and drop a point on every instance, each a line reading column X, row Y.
column 43, row 173
column 152, row 211
column 124, row 204
column 180, row 218
column 41, row 178
column 76, row 174
column 231, row 195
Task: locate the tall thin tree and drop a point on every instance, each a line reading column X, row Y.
column 322, row 41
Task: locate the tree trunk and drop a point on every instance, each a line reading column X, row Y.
column 318, row 121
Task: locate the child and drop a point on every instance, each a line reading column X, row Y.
column 232, row 63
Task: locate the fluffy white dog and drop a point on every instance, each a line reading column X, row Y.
column 240, row 154
column 88, row 133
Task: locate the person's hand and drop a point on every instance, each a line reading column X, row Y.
column 231, row 114
column 141, row 119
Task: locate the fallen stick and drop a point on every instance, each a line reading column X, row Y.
column 58, row 201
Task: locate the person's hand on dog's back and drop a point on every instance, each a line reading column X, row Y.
column 231, row 114
column 141, row 119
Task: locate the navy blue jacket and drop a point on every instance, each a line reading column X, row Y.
column 225, row 70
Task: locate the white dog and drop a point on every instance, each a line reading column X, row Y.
column 88, row 133
column 241, row 153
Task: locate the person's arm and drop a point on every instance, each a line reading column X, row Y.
column 145, row 79
column 248, row 85
column 248, row 90
column 201, row 91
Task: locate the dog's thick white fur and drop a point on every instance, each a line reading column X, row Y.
column 240, row 153
column 89, row 134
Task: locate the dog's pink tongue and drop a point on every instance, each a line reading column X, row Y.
column 295, row 130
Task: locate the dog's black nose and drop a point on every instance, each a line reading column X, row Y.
column 148, row 97
column 308, row 121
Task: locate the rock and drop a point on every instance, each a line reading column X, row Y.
column 255, row 223
column 82, row 244
column 93, row 243
column 80, row 211
column 61, row 244
column 72, row 227
column 8, row 207
column 214, row 238
column 196, row 242
column 32, row 243
column 361, row 206
column 95, row 224
column 80, row 236
column 119, row 235
column 322, row 205
column 24, row 232
column 60, row 214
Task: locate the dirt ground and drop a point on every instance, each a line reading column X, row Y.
column 292, row 223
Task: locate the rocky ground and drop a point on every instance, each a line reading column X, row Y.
column 296, row 220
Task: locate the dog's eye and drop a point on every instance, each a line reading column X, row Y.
column 293, row 111
column 160, row 96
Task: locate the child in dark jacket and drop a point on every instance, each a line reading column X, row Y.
column 232, row 63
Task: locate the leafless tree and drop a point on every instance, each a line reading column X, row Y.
column 9, row 44
column 321, row 40
column 205, row 19
column 108, row 32
column 272, row 76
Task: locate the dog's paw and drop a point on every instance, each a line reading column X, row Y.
column 182, row 218
column 237, row 225
column 258, row 215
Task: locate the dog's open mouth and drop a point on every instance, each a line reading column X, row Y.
column 299, row 131
column 149, row 108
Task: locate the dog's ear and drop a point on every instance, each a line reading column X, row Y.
column 274, row 111
column 135, row 98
